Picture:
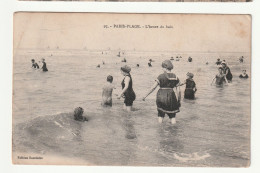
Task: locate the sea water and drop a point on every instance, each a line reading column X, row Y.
column 212, row 130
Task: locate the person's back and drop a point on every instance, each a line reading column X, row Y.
column 107, row 92
column 190, row 89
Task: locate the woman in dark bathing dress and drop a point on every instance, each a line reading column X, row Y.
column 227, row 72
column 44, row 66
column 127, row 88
column 168, row 96
column 190, row 89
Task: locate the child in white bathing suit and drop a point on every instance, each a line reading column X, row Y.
column 107, row 92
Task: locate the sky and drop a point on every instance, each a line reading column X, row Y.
column 189, row 32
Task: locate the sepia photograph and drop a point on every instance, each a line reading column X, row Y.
column 129, row 89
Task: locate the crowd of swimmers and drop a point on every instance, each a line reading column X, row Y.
column 168, row 99
column 36, row 66
column 149, row 61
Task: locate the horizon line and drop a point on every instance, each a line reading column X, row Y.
column 122, row 50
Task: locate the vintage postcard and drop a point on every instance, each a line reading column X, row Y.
column 131, row 89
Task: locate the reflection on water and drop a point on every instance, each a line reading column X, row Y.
column 212, row 130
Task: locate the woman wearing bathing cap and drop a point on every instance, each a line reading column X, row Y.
column 227, row 72
column 127, row 88
column 168, row 96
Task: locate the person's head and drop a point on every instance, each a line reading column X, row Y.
column 190, row 75
column 78, row 112
column 43, row 60
column 110, row 78
column 167, row 65
column 125, row 70
column 33, row 60
column 244, row 71
column 218, row 59
column 223, row 64
column 220, row 70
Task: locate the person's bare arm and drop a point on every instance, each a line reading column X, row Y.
column 151, row 90
column 213, row 80
column 180, row 84
column 226, row 80
column 195, row 88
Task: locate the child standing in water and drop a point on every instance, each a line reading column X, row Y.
column 168, row 96
column 127, row 88
column 190, row 89
column 107, row 92
column 44, row 66
column 220, row 78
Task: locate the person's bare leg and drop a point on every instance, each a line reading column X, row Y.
column 173, row 120
column 124, row 107
column 160, row 120
column 128, row 108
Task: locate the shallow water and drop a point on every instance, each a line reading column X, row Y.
column 213, row 130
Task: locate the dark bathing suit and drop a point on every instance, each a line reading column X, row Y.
column 35, row 65
column 129, row 93
column 229, row 75
column 44, row 67
column 166, row 99
column 245, row 77
column 189, row 92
